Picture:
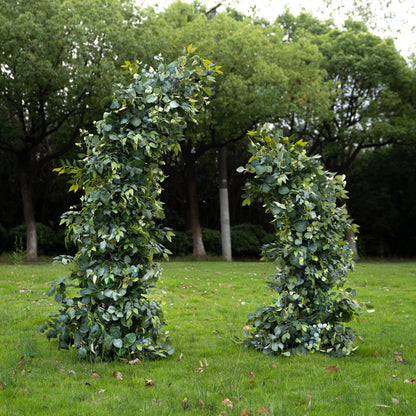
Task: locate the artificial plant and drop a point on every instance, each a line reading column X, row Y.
column 117, row 228
column 311, row 252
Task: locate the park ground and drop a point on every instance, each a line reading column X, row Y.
column 205, row 305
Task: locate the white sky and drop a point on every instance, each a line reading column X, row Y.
column 400, row 26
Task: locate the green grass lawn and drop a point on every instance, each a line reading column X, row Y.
column 205, row 305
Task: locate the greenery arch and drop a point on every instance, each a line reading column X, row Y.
column 116, row 226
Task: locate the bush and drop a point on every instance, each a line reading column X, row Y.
column 247, row 240
column 212, row 241
column 47, row 239
column 3, row 239
column 254, row 229
column 181, row 243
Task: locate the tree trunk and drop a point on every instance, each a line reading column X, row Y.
column 26, row 190
column 351, row 239
column 198, row 244
column 353, row 245
column 224, row 206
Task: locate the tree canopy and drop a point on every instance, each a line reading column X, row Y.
column 370, row 82
column 58, row 61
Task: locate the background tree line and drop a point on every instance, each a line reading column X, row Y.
column 347, row 92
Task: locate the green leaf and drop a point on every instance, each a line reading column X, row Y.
column 136, row 121
column 51, row 290
column 284, row 190
column 118, row 343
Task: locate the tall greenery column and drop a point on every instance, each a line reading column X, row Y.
column 310, row 251
column 116, row 226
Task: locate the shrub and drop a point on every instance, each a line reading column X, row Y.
column 3, row 238
column 254, row 229
column 245, row 240
column 212, row 241
column 181, row 243
column 46, row 237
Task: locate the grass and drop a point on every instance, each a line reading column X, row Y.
column 205, row 304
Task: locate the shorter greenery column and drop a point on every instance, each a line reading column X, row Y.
column 310, row 251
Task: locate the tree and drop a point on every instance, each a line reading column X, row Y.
column 369, row 104
column 116, row 228
column 58, row 61
column 310, row 251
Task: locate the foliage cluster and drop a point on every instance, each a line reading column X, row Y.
column 247, row 240
column 310, row 251
column 47, row 238
column 116, row 228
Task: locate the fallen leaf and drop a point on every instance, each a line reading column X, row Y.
column 86, row 383
column 2, row 385
column 148, row 382
column 185, row 403
column 95, row 375
column 410, row 381
column 376, row 353
column 246, row 328
column 250, row 374
column 71, row 372
column 399, row 359
column 180, row 357
column 135, row 361
column 201, row 402
column 100, row 391
column 244, row 412
column 310, row 400
column 395, row 376
column 395, row 401
column 332, row 369
column 117, row 375
column 264, row 411
column 227, row 402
